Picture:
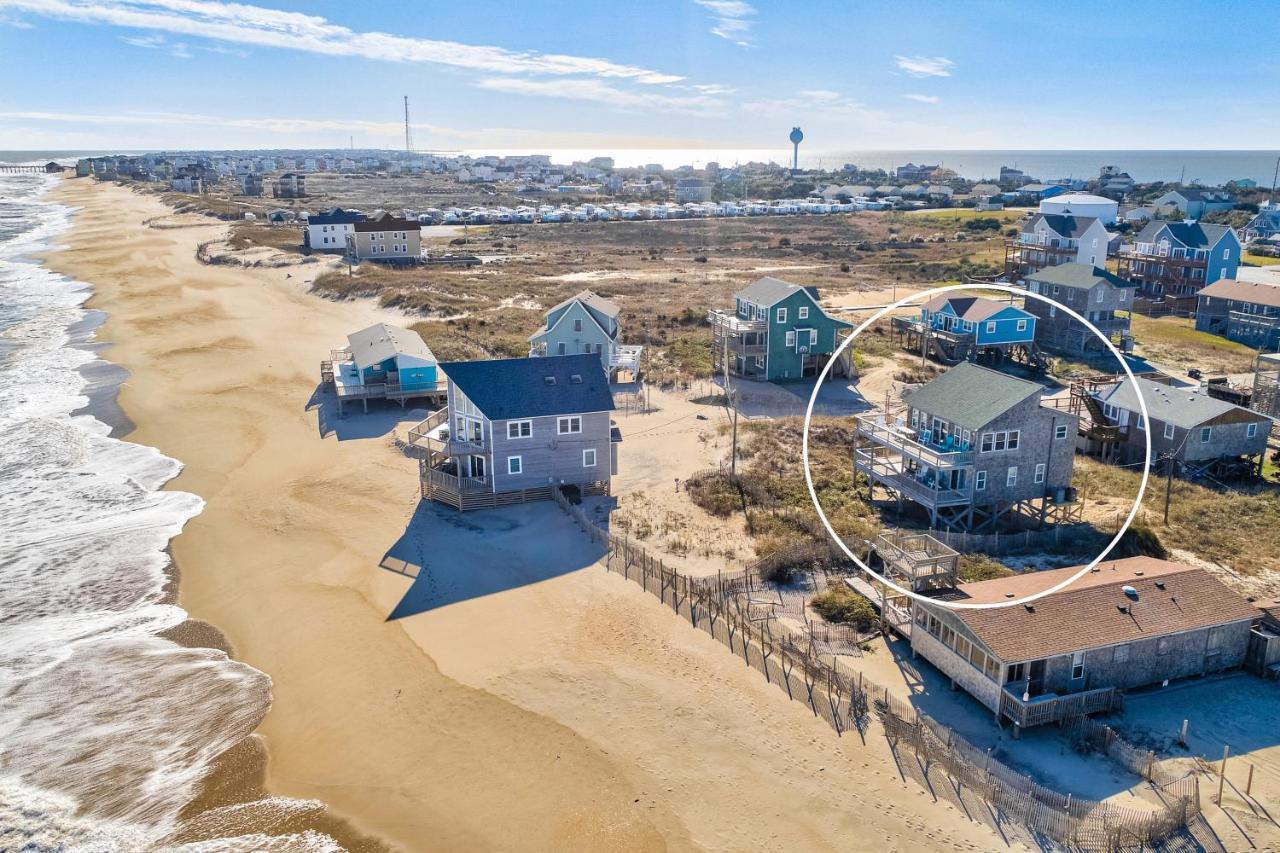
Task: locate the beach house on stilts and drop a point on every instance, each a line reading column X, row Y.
column 383, row 362
column 975, row 449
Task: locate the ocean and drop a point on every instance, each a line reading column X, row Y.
column 106, row 728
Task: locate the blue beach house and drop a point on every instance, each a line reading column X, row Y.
column 384, row 362
column 992, row 323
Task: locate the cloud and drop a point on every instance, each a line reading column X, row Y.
column 15, row 22
column 923, row 99
column 733, row 20
column 601, row 92
column 258, row 26
column 925, row 66
column 144, row 41
column 819, row 94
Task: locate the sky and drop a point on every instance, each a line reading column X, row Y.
column 604, row 75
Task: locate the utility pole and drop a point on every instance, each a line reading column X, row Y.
column 1168, row 485
column 408, row 134
column 1274, row 176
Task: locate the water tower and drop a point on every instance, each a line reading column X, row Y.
column 796, row 138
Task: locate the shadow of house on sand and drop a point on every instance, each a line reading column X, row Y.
column 454, row 557
column 758, row 399
column 382, row 418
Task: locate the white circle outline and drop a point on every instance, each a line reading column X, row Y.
column 926, row 294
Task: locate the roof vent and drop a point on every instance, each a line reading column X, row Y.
column 1159, row 584
column 549, row 380
column 1129, row 592
column 1030, row 608
column 1138, row 573
column 1008, row 595
column 576, row 379
column 1123, row 608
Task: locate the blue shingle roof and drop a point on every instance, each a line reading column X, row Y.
column 519, row 388
column 336, row 216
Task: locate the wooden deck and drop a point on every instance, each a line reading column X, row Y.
column 1050, row 709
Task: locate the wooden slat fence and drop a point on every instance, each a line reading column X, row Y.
column 723, row 607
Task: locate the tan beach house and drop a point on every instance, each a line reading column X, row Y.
column 386, row 239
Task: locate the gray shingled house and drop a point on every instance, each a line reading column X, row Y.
column 1127, row 624
column 975, row 448
column 517, row 428
column 1244, row 311
column 1201, row 433
column 1102, row 298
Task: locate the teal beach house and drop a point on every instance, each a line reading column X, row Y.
column 775, row 332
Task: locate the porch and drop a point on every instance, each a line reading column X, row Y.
column 1051, row 707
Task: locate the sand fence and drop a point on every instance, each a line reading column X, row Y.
column 742, row 613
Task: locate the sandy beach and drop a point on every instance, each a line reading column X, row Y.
column 559, row 708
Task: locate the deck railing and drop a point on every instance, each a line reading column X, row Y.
column 733, row 323
column 419, row 435
column 465, row 447
column 889, row 472
column 390, row 389
column 902, row 440
column 440, row 479
column 1049, row 709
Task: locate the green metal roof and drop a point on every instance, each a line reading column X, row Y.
column 971, row 396
column 1079, row 276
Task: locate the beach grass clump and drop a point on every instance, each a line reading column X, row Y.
column 981, row 567
column 1238, row 527
column 843, row 606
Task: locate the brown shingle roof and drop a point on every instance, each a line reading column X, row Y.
column 1087, row 614
column 1259, row 293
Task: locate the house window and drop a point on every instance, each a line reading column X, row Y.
column 988, row 442
column 803, row 312
column 991, row 328
column 1110, row 411
column 577, row 325
column 1163, row 645
column 1251, row 430
column 782, row 315
column 1060, row 432
column 1012, row 478
column 791, row 338
column 562, row 348
column 1013, row 439
column 1142, row 422
column 589, row 458
column 1120, row 654
column 1040, row 473
column 1123, row 294
column 1101, row 294
column 813, row 337
column 1205, row 434
column 1022, row 325
column 515, row 464
column 519, row 429
column 980, row 481
column 1077, row 666
column 1168, row 430
column 569, row 426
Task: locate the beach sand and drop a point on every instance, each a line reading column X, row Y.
column 571, row 713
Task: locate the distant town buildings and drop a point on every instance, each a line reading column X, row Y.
column 290, row 185
column 1193, row 202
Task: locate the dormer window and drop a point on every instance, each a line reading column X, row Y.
column 549, row 380
column 576, row 379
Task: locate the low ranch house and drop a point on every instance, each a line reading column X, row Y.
column 1127, row 624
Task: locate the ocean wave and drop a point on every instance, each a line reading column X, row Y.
column 106, row 728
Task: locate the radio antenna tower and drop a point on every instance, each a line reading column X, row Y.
column 408, row 134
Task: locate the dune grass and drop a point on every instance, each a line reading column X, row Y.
column 1174, row 341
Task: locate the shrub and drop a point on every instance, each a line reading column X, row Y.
column 844, row 268
column 980, row 567
column 1140, row 541
column 715, row 493
column 700, row 259
column 785, row 242
column 840, row 604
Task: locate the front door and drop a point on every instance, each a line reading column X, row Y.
column 477, row 466
column 1035, row 684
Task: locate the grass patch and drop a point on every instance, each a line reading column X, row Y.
column 842, row 605
column 1239, row 528
column 1175, row 341
column 1260, row 260
column 980, row 567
